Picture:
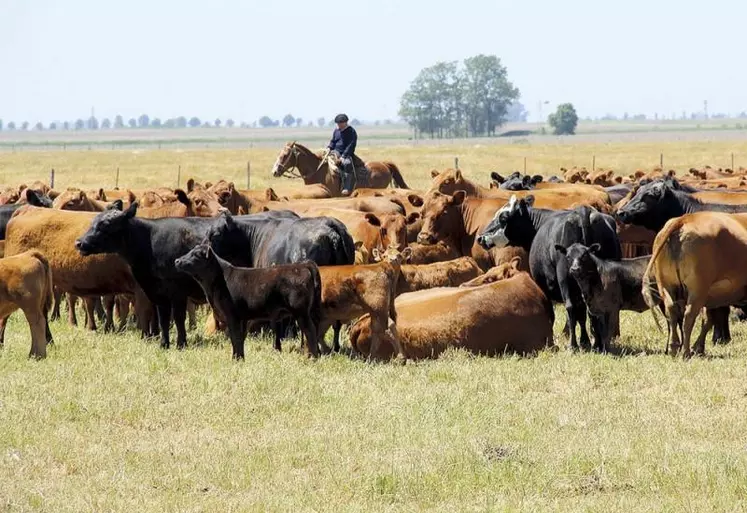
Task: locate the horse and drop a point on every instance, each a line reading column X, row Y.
column 296, row 156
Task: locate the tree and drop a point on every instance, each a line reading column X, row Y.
column 25, row 125
column 355, row 122
column 217, row 123
column 564, row 120
column 106, row 124
column 132, row 123
column 194, row 122
column 38, row 127
column 11, row 125
column 299, row 121
column 320, row 122
column 449, row 99
column 266, row 121
column 53, row 126
column 66, row 125
column 155, row 123
column 79, row 124
column 1, row 125
column 517, row 113
column 289, row 120
column 143, row 121
column 206, row 124
column 229, row 123
column 169, row 123
column 181, row 122
column 118, row 122
column 92, row 123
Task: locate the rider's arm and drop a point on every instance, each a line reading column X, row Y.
column 332, row 141
column 350, row 148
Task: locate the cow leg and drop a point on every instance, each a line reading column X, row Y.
column 99, row 309
column 277, row 328
column 50, row 339
column 704, row 329
column 37, row 325
column 599, row 328
column 123, row 307
column 337, row 326
column 309, row 331
column 3, row 324
column 164, row 320
column 237, row 333
column 322, row 329
column 90, row 304
column 691, row 315
column 673, row 313
column 108, row 302
column 56, row 308
column 580, row 316
column 180, row 319
column 721, row 332
column 71, row 302
column 192, row 313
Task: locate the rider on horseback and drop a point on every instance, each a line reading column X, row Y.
column 343, row 144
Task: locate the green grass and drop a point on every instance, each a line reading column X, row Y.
column 114, row 423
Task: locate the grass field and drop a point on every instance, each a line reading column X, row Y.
column 113, row 423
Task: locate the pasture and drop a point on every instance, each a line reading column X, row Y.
column 113, row 423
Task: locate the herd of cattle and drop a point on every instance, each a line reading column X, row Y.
column 415, row 272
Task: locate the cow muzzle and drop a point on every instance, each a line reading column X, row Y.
column 426, row 239
column 83, row 248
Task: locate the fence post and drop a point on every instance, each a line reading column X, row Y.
column 661, row 160
column 116, row 182
column 51, row 179
column 732, row 161
column 179, row 175
column 593, row 163
column 456, row 163
column 248, row 174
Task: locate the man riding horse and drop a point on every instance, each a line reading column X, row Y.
column 344, row 140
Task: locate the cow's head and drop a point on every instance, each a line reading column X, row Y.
column 198, row 261
column 448, row 182
column 650, row 205
column 393, row 230
column 441, row 216
column 108, row 232
column 511, row 224
column 203, row 202
column 392, row 254
column 582, row 265
column 38, row 200
column 226, row 194
column 73, row 199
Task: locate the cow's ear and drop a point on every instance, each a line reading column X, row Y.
column 116, row 205
column 415, row 200
column 595, row 248
column 561, row 249
column 101, row 195
column 372, row 219
column 131, row 210
column 537, row 179
column 434, row 173
column 413, row 218
column 526, row 181
column 182, row 197
column 265, row 209
column 376, row 254
column 231, row 187
column 131, row 198
column 83, row 195
column 495, row 177
column 406, row 254
column 208, row 185
column 458, row 197
column 270, row 194
column 190, row 184
column 618, row 179
column 516, row 262
column 528, row 201
column 358, row 245
column 458, row 175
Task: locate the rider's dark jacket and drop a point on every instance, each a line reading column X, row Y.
column 344, row 141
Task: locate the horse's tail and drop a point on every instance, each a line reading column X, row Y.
column 396, row 175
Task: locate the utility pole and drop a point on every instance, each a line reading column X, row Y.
column 705, row 108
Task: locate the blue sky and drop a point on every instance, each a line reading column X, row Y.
column 243, row 59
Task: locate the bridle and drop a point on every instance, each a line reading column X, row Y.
column 291, row 171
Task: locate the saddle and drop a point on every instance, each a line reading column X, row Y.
column 362, row 173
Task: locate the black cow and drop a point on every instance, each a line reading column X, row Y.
column 618, row 192
column 150, row 246
column 515, row 181
column 607, row 286
column 239, row 294
column 658, row 201
column 7, row 211
column 540, row 231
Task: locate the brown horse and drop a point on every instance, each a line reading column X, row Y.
column 296, row 156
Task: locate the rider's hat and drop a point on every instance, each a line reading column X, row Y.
column 341, row 118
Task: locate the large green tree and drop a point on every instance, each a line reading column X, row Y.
column 449, row 99
column 564, row 120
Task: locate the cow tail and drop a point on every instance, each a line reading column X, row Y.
column 348, row 246
column 48, row 286
column 648, row 285
column 316, row 301
column 396, row 175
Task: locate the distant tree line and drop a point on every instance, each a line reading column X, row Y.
column 145, row 121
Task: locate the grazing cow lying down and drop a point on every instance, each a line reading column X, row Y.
column 241, row 294
column 27, row 284
column 440, row 274
column 507, row 315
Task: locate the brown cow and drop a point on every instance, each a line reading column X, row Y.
column 27, row 285
column 374, row 231
column 508, row 315
column 500, row 272
column 431, row 253
column 54, row 233
column 77, row 200
column 232, row 198
column 440, row 274
column 350, row 291
column 373, row 205
column 697, row 263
